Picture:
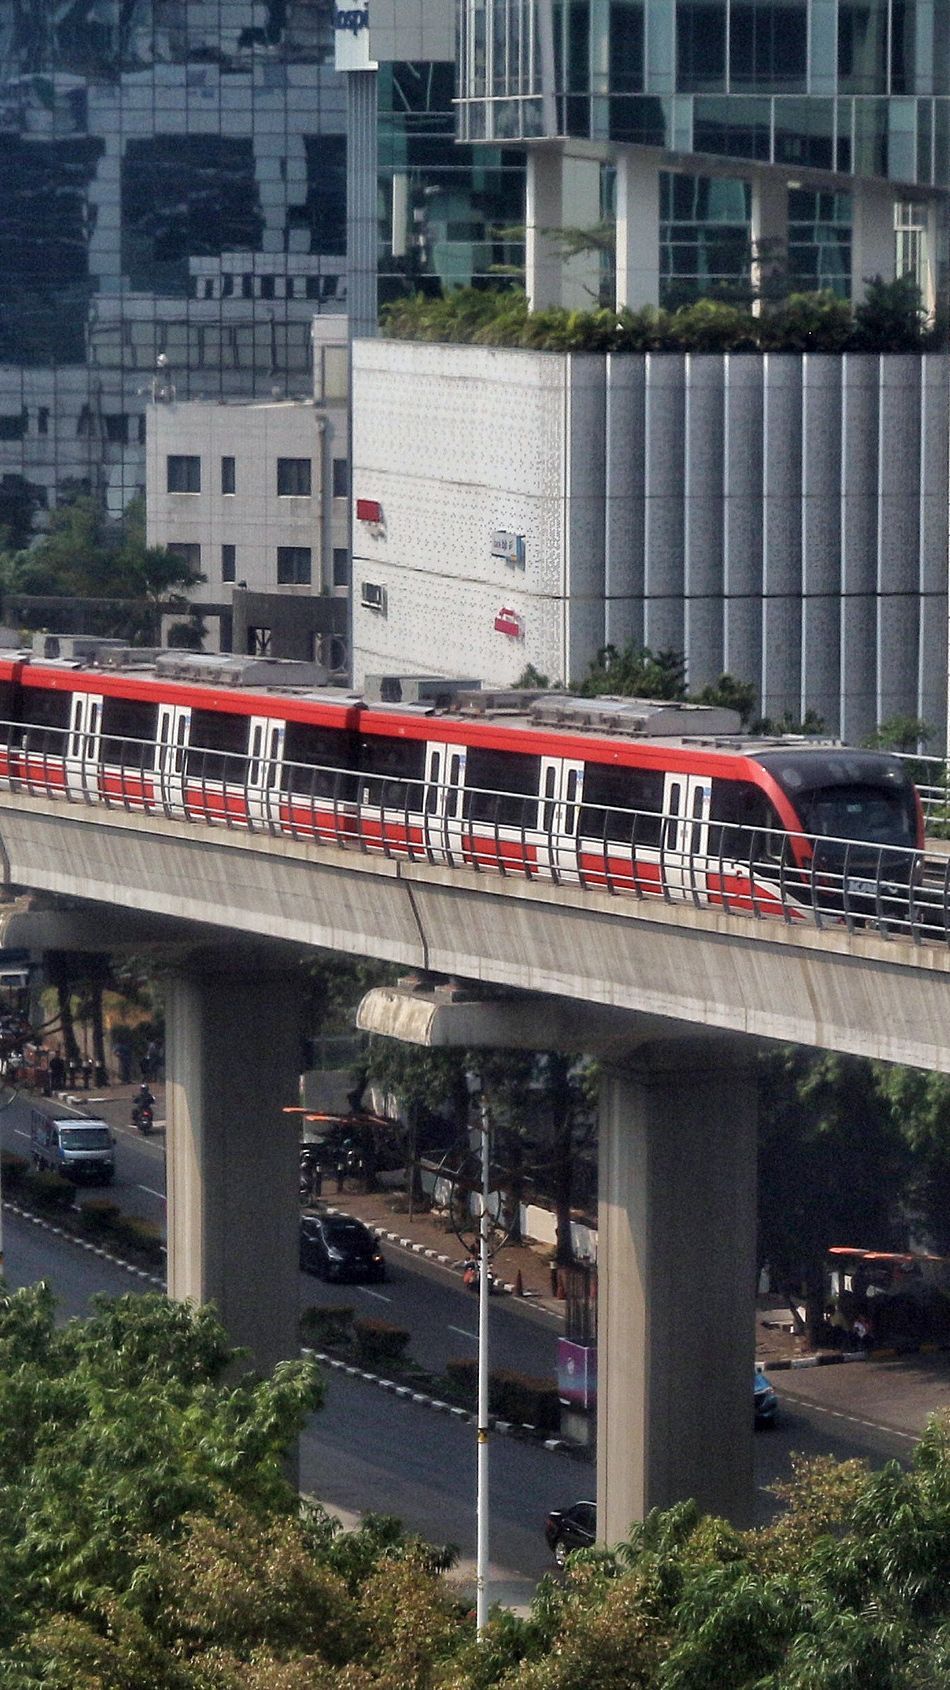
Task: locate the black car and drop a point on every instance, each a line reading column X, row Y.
column 336, row 1247
column 571, row 1528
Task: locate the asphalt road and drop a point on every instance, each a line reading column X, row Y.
column 369, row 1451
column 426, row 1298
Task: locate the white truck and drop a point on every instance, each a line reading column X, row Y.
column 71, row 1143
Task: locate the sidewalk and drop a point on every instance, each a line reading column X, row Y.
column 426, row 1234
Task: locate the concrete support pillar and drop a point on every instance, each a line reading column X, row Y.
column 562, row 192
column 638, row 227
column 232, row 1063
column 768, row 234
column 676, row 1254
column 873, row 241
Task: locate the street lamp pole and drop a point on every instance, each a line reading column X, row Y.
column 481, row 1504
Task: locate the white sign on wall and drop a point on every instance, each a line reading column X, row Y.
column 351, row 37
column 508, row 546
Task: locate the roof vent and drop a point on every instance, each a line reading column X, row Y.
column 218, row 669
column 649, row 718
column 71, row 648
column 416, row 689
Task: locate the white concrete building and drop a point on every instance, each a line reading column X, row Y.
column 781, row 517
column 256, row 495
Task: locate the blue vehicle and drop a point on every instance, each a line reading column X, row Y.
column 766, row 1401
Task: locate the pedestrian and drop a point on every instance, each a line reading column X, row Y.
column 57, row 1070
column 87, row 1072
column 145, row 1066
column 340, row 1171
column 154, row 1056
column 123, row 1057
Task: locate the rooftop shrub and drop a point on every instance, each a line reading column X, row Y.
column 890, row 319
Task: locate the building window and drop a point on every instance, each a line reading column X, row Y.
column 227, row 475
column 341, row 478
column 341, row 566
column 293, row 477
column 184, row 474
column 258, row 642
column 293, row 566
column 42, row 420
column 267, row 287
column 228, row 561
column 117, row 428
column 189, row 551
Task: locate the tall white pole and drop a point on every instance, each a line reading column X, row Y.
column 481, row 1504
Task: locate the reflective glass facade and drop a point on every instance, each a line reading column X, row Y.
column 450, row 214
column 174, row 187
column 854, row 86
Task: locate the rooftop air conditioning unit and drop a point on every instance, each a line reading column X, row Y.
column 221, row 670
column 71, row 648
column 415, row 689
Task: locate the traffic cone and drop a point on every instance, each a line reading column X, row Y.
column 519, row 1284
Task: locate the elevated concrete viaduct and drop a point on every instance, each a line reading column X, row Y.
column 672, row 995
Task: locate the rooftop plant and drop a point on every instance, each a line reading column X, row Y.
column 890, row 319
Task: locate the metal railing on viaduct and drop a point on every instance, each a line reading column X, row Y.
column 826, row 942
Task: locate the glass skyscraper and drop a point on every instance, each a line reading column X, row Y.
column 173, row 212
column 824, row 91
column 172, row 207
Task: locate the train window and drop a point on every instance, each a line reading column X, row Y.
column 750, row 824
column 432, row 788
column 128, row 730
column 501, row 786
column 6, row 702
column 46, row 716
column 675, row 806
column 313, row 757
column 618, row 800
column 391, row 771
column 218, row 746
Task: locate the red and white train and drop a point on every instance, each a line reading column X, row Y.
column 647, row 798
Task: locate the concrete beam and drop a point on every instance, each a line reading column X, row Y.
column 448, row 1016
column 831, row 989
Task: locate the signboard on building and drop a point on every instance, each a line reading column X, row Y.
column 508, row 546
column 351, row 37
column 509, row 622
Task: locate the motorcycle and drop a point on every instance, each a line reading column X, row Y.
column 143, row 1117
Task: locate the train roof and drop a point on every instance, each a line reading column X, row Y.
column 408, row 699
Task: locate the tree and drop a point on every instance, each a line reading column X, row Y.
column 635, row 672
column 84, row 554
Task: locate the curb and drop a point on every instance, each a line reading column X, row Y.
column 834, row 1358
column 505, row 1428
column 532, row 1299
column 83, row 1244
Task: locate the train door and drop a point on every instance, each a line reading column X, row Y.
column 443, row 800
column 171, row 747
column 559, row 802
column 265, row 763
column 685, row 847
column 83, row 745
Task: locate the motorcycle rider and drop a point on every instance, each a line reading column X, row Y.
column 142, row 1103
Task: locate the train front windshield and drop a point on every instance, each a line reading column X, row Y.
column 871, row 814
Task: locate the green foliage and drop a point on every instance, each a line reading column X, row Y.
column 13, row 1170
column 47, row 1190
column 142, row 1237
column 84, row 554
column 900, row 733
column 98, row 1215
column 326, row 1326
column 511, row 1396
column 148, row 1541
column 889, row 320
column 379, row 1341
column 635, row 672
